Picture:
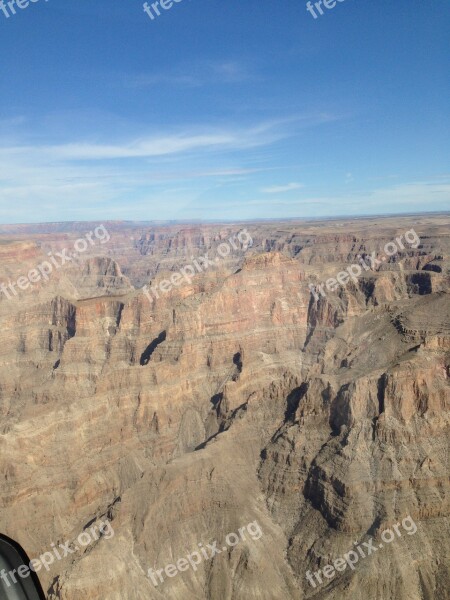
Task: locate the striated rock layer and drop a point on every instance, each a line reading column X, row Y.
column 236, row 396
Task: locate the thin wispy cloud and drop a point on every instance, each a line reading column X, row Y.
column 281, row 189
column 196, row 170
column 230, row 72
column 194, row 139
column 201, row 73
column 261, row 134
column 349, row 178
column 156, row 79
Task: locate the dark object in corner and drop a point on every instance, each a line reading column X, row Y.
column 12, row 585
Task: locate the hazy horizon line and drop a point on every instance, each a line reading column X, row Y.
column 162, row 222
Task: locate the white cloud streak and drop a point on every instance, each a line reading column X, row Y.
column 281, row 189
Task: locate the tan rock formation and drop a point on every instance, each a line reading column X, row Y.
column 234, row 398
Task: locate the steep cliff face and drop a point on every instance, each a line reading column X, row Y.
column 236, row 396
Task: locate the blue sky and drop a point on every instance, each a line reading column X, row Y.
column 223, row 109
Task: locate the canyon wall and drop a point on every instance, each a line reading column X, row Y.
column 235, row 396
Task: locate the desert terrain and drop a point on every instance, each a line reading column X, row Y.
column 236, row 396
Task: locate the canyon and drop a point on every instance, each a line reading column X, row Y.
column 236, row 397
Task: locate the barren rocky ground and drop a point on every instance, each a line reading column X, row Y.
column 237, row 397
